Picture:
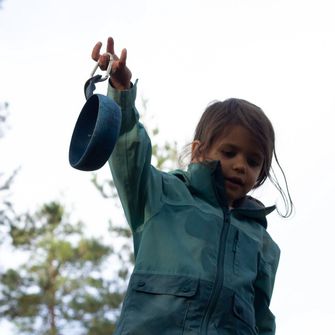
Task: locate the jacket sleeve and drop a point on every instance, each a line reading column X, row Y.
column 130, row 162
column 268, row 264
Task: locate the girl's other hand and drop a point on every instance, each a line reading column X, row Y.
column 120, row 74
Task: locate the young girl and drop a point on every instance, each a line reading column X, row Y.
column 204, row 262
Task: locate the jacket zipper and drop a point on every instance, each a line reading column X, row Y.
column 219, row 275
column 235, row 248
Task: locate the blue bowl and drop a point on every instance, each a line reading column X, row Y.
column 95, row 133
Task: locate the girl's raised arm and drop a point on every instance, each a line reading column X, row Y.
column 137, row 182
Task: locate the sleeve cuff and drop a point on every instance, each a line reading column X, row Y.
column 126, row 98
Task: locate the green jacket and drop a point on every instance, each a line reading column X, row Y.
column 200, row 268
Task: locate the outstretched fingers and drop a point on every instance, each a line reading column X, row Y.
column 121, row 74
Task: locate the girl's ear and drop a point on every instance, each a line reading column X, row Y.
column 196, row 155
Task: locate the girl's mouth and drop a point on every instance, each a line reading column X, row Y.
column 235, row 181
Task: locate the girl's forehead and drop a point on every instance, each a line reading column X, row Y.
column 235, row 131
column 238, row 136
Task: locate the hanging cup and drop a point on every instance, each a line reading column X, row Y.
column 97, row 127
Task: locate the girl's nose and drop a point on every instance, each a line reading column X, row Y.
column 239, row 165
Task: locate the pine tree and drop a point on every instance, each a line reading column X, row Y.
column 61, row 286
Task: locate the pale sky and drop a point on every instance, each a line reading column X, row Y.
column 278, row 54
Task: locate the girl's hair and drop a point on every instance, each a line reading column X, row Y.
column 220, row 115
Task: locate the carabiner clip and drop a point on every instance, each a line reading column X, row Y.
column 111, row 60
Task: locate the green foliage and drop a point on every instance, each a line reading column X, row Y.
column 61, row 284
column 6, row 180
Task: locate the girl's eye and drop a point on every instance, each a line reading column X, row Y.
column 228, row 154
column 254, row 162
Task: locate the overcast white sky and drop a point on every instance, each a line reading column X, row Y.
column 277, row 54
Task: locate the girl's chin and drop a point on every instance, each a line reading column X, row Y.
column 233, row 196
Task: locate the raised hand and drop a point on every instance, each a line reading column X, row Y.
column 120, row 74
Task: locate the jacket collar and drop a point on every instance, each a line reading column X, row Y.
column 207, row 182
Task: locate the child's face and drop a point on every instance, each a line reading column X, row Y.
column 241, row 161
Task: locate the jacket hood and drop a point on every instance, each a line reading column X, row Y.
column 207, row 182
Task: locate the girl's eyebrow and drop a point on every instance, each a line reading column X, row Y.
column 229, row 145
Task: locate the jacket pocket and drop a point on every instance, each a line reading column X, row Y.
column 156, row 304
column 244, row 317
